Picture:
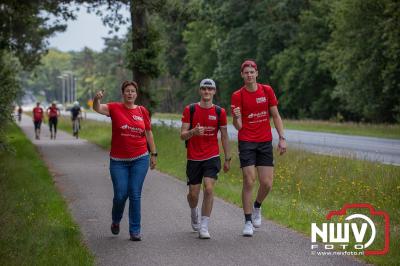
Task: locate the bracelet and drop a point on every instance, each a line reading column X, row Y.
column 155, row 154
column 282, row 138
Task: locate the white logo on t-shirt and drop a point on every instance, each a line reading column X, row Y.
column 137, row 118
column 257, row 115
column 261, row 100
column 212, row 117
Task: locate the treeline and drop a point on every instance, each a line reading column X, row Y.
column 325, row 59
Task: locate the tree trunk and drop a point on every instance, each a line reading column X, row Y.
column 139, row 31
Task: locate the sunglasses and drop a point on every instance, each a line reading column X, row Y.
column 207, row 88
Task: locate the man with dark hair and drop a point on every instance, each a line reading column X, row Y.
column 200, row 125
column 251, row 107
column 37, row 117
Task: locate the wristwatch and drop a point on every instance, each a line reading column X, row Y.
column 228, row 159
column 154, row 154
column 282, row 138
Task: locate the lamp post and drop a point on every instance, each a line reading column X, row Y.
column 62, row 79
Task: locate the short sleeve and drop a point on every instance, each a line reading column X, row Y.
column 235, row 101
column 223, row 120
column 146, row 118
column 186, row 115
column 111, row 108
column 271, row 96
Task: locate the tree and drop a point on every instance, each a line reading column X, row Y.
column 144, row 52
column 25, row 25
column 112, row 66
column 10, row 89
column 44, row 77
column 305, row 82
column 363, row 57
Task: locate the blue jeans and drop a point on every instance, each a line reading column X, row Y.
column 128, row 178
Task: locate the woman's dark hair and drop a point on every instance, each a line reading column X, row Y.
column 126, row 83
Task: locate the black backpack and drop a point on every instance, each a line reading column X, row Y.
column 192, row 108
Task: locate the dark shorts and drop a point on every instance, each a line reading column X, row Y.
column 256, row 153
column 37, row 124
column 53, row 121
column 196, row 170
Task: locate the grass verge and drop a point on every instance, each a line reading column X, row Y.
column 391, row 131
column 306, row 186
column 35, row 225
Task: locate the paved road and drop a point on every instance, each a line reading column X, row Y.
column 364, row 148
column 80, row 170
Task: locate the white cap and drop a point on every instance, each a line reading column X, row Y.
column 207, row 83
column 76, row 103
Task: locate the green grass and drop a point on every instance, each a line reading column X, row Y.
column 97, row 132
column 306, row 186
column 35, row 225
column 347, row 128
column 391, row 131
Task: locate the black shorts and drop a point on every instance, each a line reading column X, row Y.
column 256, row 153
column 53, row 121
column 196, row 170
column 37, row 124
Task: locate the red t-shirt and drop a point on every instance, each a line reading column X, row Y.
column 52, row 111
column 255, row 112
column 128, row 130
column 37, row 114
column 204, row 147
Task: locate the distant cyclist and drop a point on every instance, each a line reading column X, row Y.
column 19, row 113
column 37, row 118
column 53, row 113
column 75, row 116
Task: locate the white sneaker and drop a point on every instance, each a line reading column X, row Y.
column 256, row 217
column 203, row 233
column 195, row 219
column 248, row 229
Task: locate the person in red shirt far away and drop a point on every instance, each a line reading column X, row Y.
column 251, row 108
column 200, row 125
column 53, row 113
column 129, row 156
column 37, row 117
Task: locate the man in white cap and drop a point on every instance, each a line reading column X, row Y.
column 200, row 124
column 75, row 117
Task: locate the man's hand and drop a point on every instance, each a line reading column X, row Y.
column 282, row 146
column 236, row 112
column 227, row 166
column 198, row 130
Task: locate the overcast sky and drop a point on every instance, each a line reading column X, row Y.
column 87, row 30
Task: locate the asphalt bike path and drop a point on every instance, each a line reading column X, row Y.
column 80, row 171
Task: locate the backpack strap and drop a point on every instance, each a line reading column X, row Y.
column 192, row 108
column 218, row 111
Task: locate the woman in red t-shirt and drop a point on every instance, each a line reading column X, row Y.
column 129, row 156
